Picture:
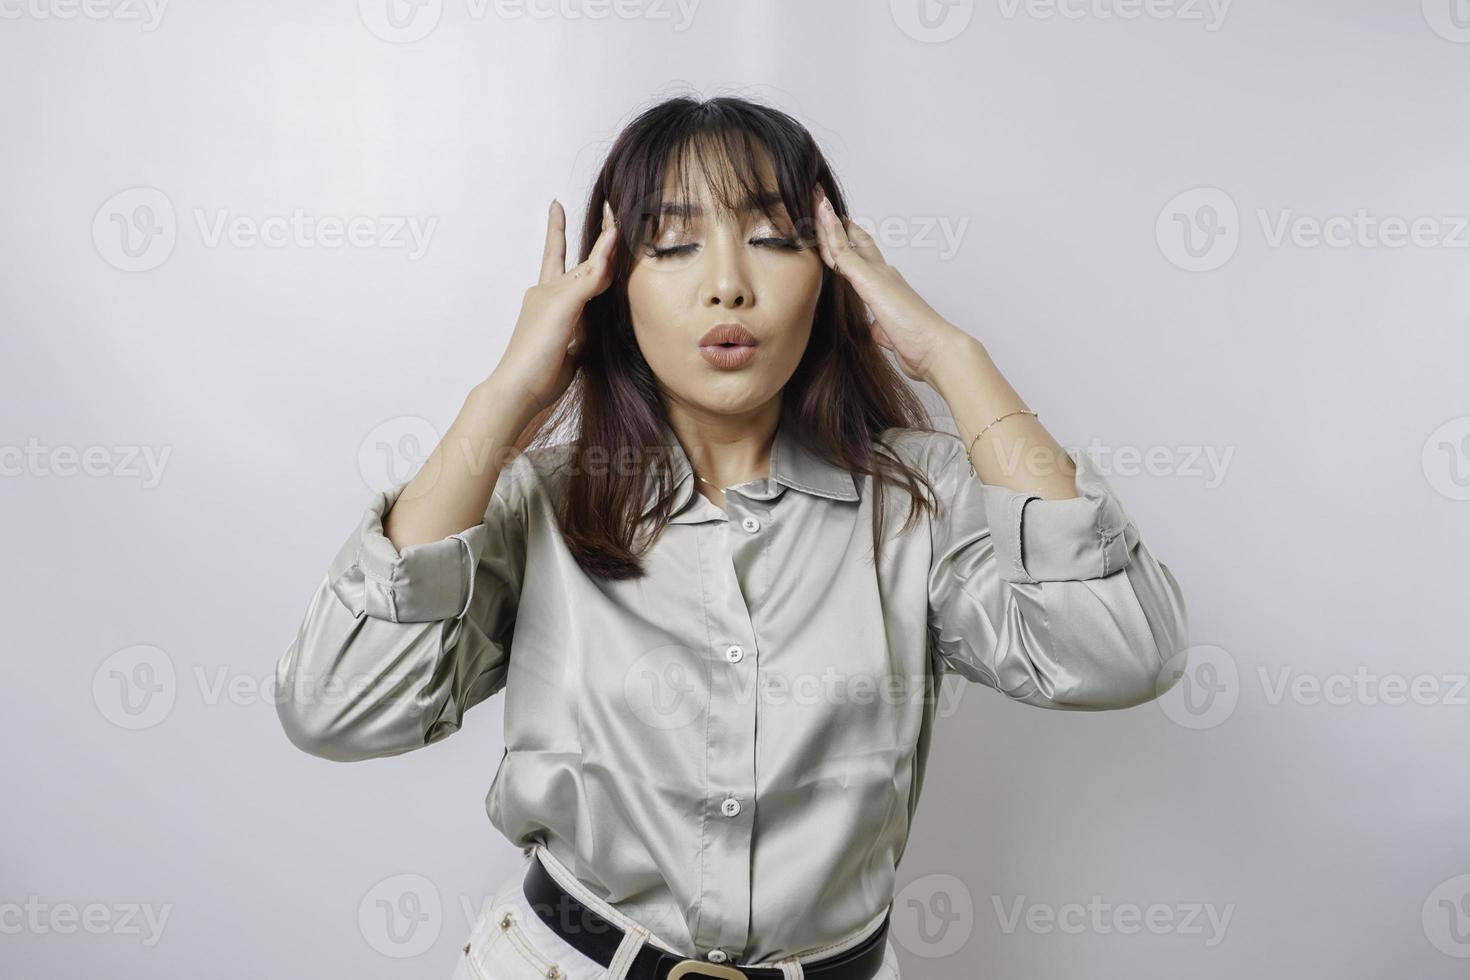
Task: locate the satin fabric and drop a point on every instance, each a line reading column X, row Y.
column 730, row 749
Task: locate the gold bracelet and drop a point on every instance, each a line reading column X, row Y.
column 969, row 452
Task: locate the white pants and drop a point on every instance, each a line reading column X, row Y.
column 510, row 942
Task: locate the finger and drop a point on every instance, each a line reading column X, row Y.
column 554, row 254
column 863, row 242
column 823, row 229
column 593, row 274
column 845, row 257
column 848, row 260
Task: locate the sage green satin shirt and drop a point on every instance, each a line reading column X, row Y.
column 731, row 749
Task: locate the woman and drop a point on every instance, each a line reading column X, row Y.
column 718, row 635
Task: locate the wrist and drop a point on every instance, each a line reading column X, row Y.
column 956, row 355
column 500, row 396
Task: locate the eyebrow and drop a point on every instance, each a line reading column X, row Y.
column 684, row 209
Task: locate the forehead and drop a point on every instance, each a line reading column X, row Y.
column 698, row 181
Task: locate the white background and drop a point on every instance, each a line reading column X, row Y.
column 1066, row 149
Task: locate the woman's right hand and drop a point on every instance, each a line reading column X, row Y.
column 538, row 362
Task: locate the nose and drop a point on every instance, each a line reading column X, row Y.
column 727, row 283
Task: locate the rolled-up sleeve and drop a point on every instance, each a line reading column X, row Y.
column 1055, row 603
column 395, row 647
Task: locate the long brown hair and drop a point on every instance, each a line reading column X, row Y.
column 843, row 394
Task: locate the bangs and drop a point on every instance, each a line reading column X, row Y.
column 745, row 164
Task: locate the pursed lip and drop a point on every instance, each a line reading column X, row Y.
column 728, row 333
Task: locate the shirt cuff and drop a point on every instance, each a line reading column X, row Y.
column 1037, row 539
column 425, row 582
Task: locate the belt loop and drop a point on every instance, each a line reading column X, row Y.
column 791, row 968
column 632, row 944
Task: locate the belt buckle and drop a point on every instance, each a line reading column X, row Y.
column 699, row 968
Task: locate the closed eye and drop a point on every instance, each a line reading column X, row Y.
column 785, row 244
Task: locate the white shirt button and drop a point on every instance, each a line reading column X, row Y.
column 751, row 524
column 730, row 807
column 734, row 654
column 717, row 956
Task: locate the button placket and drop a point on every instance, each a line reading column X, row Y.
column 730, row 753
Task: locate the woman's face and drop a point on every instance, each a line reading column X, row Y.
column 719, row 269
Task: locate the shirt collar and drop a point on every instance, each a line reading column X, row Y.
column 794, row 464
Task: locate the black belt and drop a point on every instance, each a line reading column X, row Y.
column 598, row 939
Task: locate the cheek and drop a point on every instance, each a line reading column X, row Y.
column 661, row 308
column 653, row 303
column 796, row 277
column 794, row 288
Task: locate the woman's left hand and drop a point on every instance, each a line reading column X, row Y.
column 901, row 321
